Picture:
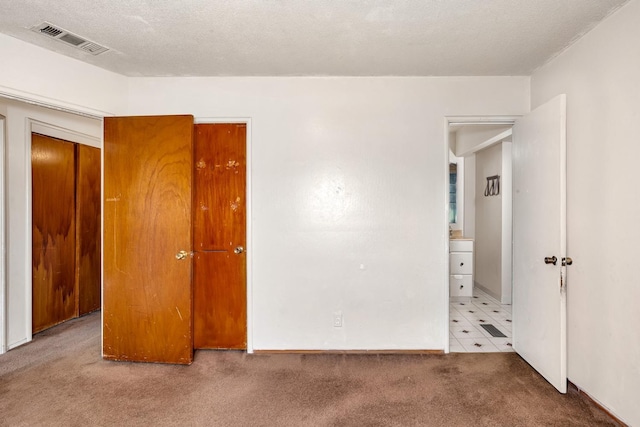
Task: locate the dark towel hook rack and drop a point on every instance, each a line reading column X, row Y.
column 493, row 186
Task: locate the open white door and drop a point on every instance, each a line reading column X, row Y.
column 539, row 235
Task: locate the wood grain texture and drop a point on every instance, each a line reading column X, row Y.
column 53, row 241
column 220, row 301
column 220, row 296
column 88, row 228
column 148, row 167
column 220, row 182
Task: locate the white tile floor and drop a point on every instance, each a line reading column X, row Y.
column 465, row 316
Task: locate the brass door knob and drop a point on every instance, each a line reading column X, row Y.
column 238, row 250
column 181, row 255
column 567, row 261
column 550, row 260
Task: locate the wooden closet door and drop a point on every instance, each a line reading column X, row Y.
column 53, row 232
column 88, row 228
column 148, row 167
column 220, row 293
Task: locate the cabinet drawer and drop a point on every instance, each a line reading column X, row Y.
column 460, row 245
column 461, row 263
column 460, row 285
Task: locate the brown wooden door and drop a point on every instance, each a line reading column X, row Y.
column 88, row 228
column 220, row 296
column 53, row 232
column 148, row 167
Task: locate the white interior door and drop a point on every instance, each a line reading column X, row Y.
column 539, row 231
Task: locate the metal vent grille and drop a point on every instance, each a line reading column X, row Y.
column 69, row 38
column 93, row 48
column 52, row 31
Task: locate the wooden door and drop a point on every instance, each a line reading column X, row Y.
column 87, row 228
column 540, row 240
column 220, row 295
column 53, row 231
column 148, row 167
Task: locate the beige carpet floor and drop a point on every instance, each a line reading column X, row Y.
column 59, row 379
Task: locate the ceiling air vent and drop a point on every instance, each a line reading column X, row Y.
column 69, row 38
column 51, row 31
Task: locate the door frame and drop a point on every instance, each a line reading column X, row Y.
column 3, row 245
column 248, row 230
column 462, row 120
column 28, row 100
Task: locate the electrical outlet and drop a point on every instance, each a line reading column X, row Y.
column 337, row 319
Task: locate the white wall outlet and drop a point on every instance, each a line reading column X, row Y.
column 337, row 319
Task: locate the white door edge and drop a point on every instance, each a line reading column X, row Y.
column 539, row 288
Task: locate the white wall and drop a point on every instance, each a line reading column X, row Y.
column 601, row 76
column 21, row 119
column 506, row 259
column 488, row 228
column 31, row 72
column 346, row 172
column 472, row 138
column 470, row 196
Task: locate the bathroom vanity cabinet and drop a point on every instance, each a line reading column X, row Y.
column 461, row 268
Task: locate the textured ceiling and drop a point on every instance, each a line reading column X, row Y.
column 307, row 37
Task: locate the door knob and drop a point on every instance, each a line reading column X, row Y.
column 238, row 250
column 181, row 255
column 567, row 261
column 550, row 260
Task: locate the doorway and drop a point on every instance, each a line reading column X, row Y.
column 21, row 119
column 539, row 256
column 65, row 184
column 219, row 236
column 479, row 250
column 174, row 234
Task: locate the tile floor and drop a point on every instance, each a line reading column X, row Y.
column 465, row 316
